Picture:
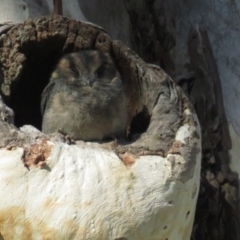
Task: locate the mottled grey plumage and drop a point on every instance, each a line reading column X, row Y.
column 85, row 98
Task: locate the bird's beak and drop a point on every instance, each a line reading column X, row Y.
column 90, row 81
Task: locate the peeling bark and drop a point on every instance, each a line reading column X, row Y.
column 218, row 211
column 150, row 38
column 219, row 182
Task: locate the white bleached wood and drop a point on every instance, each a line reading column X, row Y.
column 88, row 193
column 14, row 11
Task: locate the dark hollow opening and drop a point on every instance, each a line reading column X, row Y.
column 140, row 122
column 26, row 93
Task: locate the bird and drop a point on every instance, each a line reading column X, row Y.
column 85, row 98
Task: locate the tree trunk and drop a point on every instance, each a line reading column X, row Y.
column 114, row 190
column 191, row 43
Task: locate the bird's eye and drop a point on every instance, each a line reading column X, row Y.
column 74, row 71
column 100, row 71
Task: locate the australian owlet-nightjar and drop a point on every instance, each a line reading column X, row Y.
column 85, row 98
